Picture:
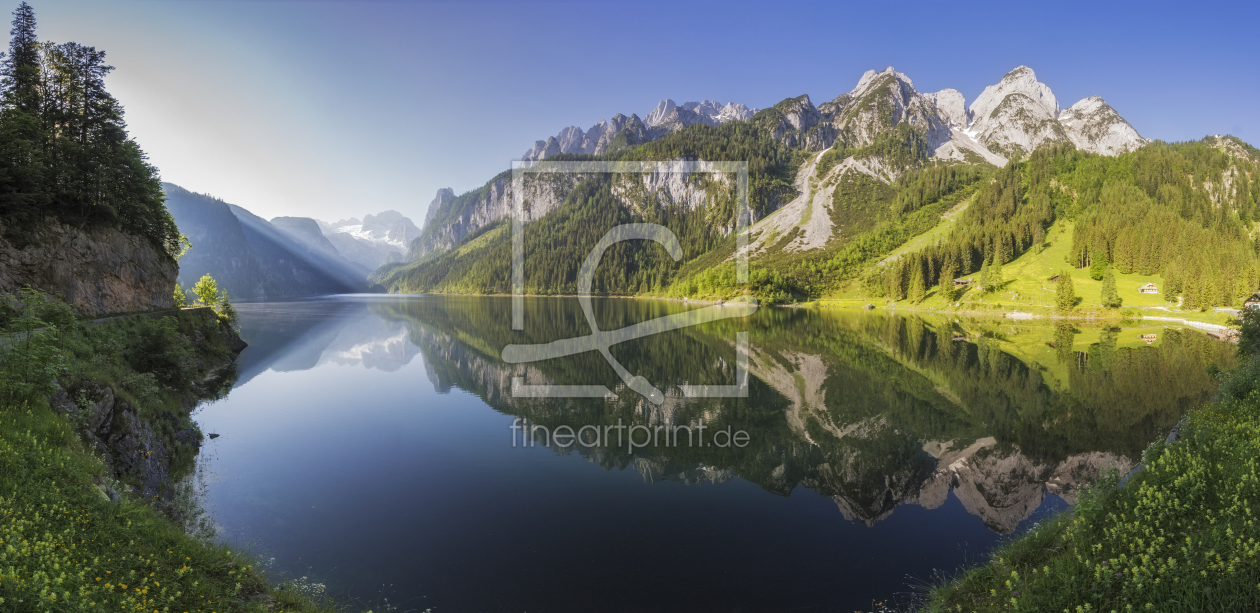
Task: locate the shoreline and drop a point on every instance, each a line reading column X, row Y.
column 846, row 303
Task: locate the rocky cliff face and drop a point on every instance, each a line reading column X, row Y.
column 97, row 271
column 443, row 195
column 1093, row 125
column 880, row 102
column 1020, row 114
column 1017, row 115
column 456, row 218
column 141, row 447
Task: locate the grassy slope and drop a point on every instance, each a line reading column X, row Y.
column 948, row 221
column 1027, row 286
column 63, row 545
column 1180, row 535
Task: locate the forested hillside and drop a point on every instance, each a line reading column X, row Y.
column 64, row 149
column 1185, row 212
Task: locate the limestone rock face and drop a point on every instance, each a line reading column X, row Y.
column 1022, row 80
column 1017, row 115
column 97, row 271
column 951, row 106
column 880, row 102
column 796, row 122
column 465, row 214
column 443, row 195
column 1092, row 125
column 631, row 128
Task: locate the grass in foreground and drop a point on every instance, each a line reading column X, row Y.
column 1180, row 535
column 65, row 547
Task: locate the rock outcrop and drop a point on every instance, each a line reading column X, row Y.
column 1092, row 125
column 141, row 448
column 97, row 271
column 443, row 195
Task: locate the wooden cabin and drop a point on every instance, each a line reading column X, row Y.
column 1054, row 279
column 1149, row 288
column 1253, row 302
column 1149, row 338
column 962, row 282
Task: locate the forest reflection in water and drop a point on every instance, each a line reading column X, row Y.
column 871, row 409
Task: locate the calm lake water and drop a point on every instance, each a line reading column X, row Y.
column 368, row 445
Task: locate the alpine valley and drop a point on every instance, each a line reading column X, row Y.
column 882, row 194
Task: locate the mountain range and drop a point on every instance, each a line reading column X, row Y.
column 834, row 189
column 620, row 131
column 256, row 259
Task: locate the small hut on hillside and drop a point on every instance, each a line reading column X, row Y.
column 962, row 282
column 1253, row 302
column 1149, row 288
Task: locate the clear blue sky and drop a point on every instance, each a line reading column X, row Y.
column 332, row 110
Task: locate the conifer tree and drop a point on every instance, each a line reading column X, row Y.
column 1110, row 296
column 1097, row 266
column 1064, row 293
column 917, row 290
column 21, row 67
column 949, row 270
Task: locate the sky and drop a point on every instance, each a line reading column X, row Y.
column 335, row 109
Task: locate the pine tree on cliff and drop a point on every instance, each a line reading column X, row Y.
column 21, row 67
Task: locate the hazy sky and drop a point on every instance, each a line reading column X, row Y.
column 332, row 110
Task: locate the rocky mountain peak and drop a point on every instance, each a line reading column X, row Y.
column 871, row 79
column 658, row 114
column 1092, row 125
column 881, row 101
column 443, row 195
column 1023, row 81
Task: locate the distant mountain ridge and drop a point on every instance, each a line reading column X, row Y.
column 251, row 258
column 668, row 117
column 375, row 240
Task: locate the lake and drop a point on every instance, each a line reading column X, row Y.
column 380, row 445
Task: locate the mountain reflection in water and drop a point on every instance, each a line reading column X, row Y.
column 869, row 409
